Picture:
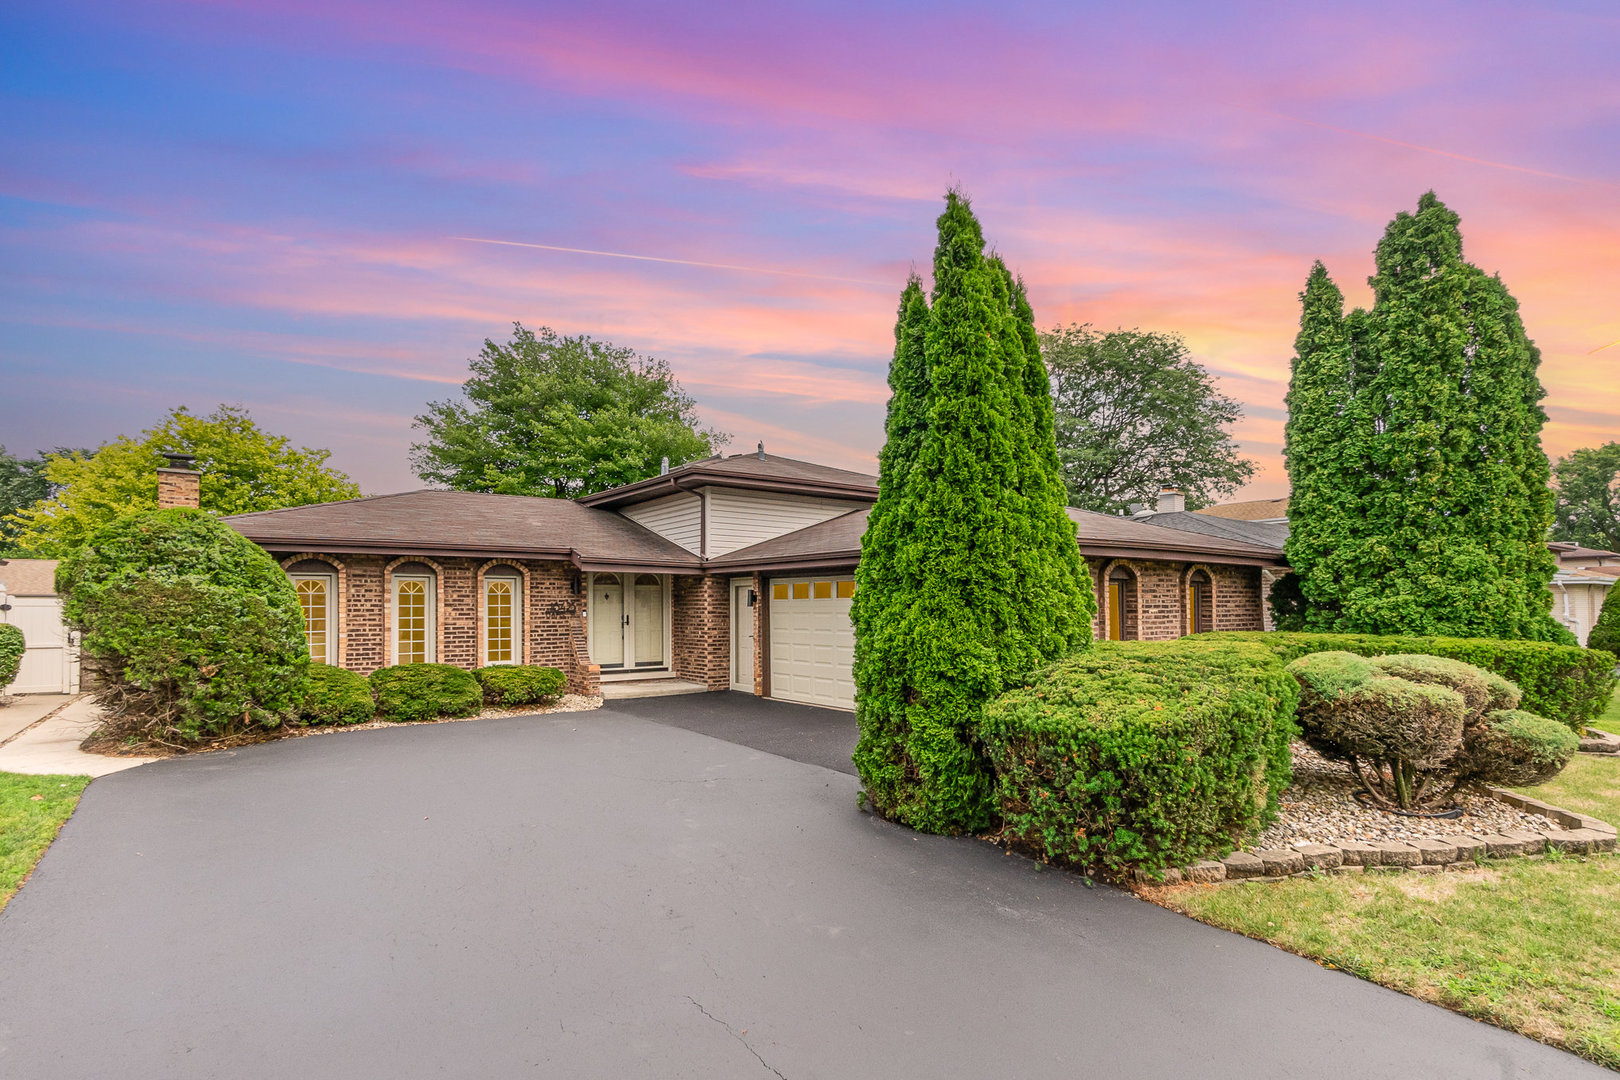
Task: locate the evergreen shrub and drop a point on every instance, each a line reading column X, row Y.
column 192, row 631
column 11, row 653
column 1149, row 754
column 520, row 684
column 969, row 574
column 1605, row 633
column 1563, row 682
column 337, row 696
column 408, row 692
column 1415, row 729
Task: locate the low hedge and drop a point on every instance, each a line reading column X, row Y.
column 1562, row 682
column 520, row 684
column 336, row 696
column 1148, row 754
column 12, row 646
column 410, row 692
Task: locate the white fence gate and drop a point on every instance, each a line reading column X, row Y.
column 50, row 663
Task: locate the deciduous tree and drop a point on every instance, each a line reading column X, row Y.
column 1135, row 411
column 1588, row 497
column 559, row 416
column 243, row 468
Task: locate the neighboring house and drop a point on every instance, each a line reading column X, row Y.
column 28, row 600
column 731, row 572
column 1274, row 511
column 1582, row 583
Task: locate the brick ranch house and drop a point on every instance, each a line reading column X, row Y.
column 731, row 572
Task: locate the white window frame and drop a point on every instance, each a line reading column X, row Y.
column 431, row 605
column 330, row 581
column 515, row 579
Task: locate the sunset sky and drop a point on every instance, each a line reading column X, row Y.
column 298, row 211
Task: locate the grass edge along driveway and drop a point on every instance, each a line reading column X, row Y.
column 1525, row 944
column 29, row 824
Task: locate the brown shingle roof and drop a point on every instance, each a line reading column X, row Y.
column 838, row 542
column 28, row 577
column 770, row 473
column 1108, row 535
column 464, row 522
column 1254, row 510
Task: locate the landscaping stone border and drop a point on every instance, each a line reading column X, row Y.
column 1599, row 742
column 1579, row 835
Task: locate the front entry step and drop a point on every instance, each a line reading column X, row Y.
column 637, row 688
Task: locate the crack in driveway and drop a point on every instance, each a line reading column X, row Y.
column 733, row 1033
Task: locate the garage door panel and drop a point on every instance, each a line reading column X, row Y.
column 812, row 642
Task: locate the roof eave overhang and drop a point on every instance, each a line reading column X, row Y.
column 325, row 545
column 1122, row 551
column 831, row 560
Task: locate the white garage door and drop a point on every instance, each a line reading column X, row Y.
column 812, row 642
column 50, row 663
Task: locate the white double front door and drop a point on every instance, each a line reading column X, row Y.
column 629, row 621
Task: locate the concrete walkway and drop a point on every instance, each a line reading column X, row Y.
column 597, row 895
column 51, row 747
column 25, row 710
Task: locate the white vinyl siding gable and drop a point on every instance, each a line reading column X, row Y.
column 739, row 518
column 677, row 518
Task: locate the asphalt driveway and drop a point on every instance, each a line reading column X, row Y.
column 604, row 895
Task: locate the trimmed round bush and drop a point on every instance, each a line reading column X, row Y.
column 520, row 684
column 1151, row 754
column 11, row 653
column 193, row 632
column 409, row 692
column 1415, row 729
column 1518, row 749
column 337, row 696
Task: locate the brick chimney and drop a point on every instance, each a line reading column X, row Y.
column 178, row 483
column 1171, row 500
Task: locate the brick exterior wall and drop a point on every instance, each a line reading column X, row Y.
column 700, row 620
column 762, row 636
column 179, row 487
column 553, row 617
column 1156, row 608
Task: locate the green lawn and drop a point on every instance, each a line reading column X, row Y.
column 1610, row 720
column 28, row 825
column 1527, row 944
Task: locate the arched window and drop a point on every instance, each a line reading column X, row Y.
column 503, row 617
column 1200, row 603
column 315, row 583
column 1121, row 605
column 414, row 613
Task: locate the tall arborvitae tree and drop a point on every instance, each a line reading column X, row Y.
column 1323, row 471
column 879, row 647
column 972, row 579
column 1427, row 511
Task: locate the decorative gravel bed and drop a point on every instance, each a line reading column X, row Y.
column 1320, row 808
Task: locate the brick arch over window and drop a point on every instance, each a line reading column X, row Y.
column 1129, row 614
column 340, row 602
column 522, row 601
column 1206, row 617
column 388, row 606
